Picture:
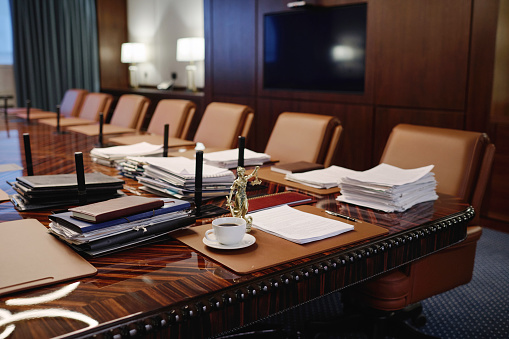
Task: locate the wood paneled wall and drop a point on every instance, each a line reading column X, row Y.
column 428, row 62
column 112, row 32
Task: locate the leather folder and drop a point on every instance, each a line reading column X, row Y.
column 267, row 174
column 31, row 257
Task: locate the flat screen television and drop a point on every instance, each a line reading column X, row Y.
column 315, row 49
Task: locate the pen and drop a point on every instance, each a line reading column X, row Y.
column 341, row 216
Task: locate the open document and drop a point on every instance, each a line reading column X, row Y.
column 230, row 158
column 297, row 226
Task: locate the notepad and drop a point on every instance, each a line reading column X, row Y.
column 31, row 257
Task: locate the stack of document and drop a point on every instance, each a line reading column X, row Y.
column 96, row 239
column 175, row 176
column 388, row 188
column 111, row 156
column 230, row 158
column 297, row 226
column 45, row 191
column 322, row 178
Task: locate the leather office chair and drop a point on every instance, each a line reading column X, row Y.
column 462, row 161
column 222, row 123
column 304, row 137
column 69, row 106
column 93, row 105
column 178, row 114
column 127, row 117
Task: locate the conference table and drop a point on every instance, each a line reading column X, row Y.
column 169, row 289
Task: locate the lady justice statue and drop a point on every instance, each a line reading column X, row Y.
column 239, row 207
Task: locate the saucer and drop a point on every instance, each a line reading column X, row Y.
column 248, row 240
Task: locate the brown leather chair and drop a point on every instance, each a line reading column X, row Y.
column 222, row 123
column 177, row 113
column 69, row 106
column 127, row 117
column 93, row 105
column 462, row 161
column 304, row 137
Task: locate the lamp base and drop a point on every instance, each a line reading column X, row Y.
column 133, row 76
column 191, row 86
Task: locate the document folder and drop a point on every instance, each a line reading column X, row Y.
column 31, row 257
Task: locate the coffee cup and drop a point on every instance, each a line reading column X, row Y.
column 227, row 231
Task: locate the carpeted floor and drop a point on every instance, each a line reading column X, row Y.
column 479, row 309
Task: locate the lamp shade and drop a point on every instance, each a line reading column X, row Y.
column 133, row 52
column 190, row 49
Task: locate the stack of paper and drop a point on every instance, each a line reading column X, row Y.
column 297, row 226
column 388, row 188
column 96, row 239
column 175, row 176
column 230, row 158
column 111, row 156
column 321, row 178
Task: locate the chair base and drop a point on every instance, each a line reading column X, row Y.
column 374, row 323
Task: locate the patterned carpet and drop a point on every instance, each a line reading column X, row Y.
column 479, row 309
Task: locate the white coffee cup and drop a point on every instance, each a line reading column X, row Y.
column 227, row 231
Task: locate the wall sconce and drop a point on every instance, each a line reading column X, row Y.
column 133, row 53
column 190, row 50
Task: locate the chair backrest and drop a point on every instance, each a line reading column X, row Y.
column 174, row 112
column 72, row 101
column 222, row 123
column 130, row 111
column 304, row 137
column 462, row 159
column 94, row 104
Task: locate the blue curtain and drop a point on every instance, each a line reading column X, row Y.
column 55, row 48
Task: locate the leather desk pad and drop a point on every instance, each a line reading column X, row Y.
column 270, row 250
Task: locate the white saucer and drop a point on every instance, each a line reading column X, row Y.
column 248, row 240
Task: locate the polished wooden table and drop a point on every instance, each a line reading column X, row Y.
column 167, row 289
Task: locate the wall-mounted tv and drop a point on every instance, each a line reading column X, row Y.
column 315, row 49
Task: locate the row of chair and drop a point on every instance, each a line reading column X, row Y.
column 311, row 136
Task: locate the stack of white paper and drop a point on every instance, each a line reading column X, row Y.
column 389, row 188
column 322, row 178
column 297, row 226
column 230, row 158
column 175, row 176
column 110, row 156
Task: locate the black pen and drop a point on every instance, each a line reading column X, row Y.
column 341, row 216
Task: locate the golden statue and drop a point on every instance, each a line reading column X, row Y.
column 239, row 207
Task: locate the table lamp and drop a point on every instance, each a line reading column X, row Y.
column 133, row 53
column 190, row 50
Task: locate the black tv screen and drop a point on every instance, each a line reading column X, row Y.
column 315, row 49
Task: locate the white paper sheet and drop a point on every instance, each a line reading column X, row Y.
column 297, row 226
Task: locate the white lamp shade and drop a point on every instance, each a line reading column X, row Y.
column 133, row 52
column 190, row 49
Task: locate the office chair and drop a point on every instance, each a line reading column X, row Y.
column 178, row 114
column 462, row 164
column 93, row 105
column 304, row 137
column 222, row 124
column 127, row 117
column 69, row 106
